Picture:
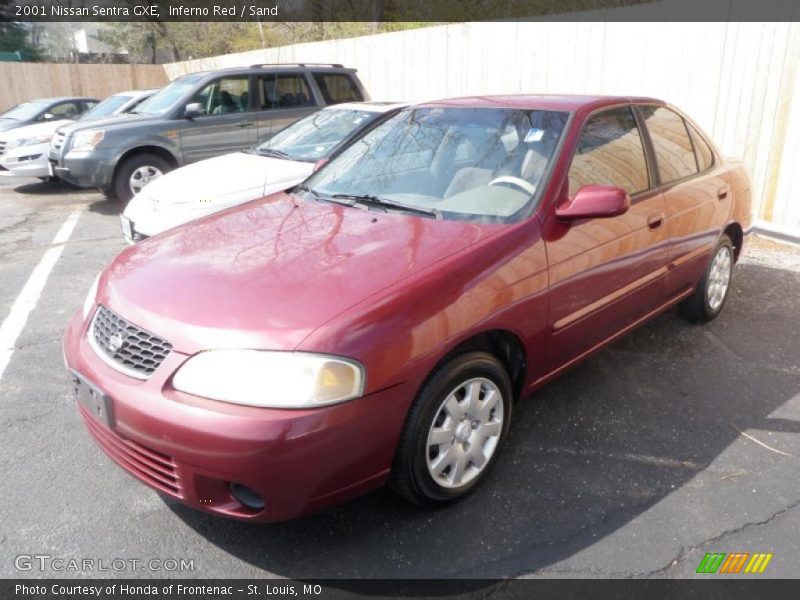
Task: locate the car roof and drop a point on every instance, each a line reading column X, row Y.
column 135, row 93
column 569, row 103
column 334, row 67
column 370, row 106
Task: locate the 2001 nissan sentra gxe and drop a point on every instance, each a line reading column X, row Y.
column 376, row 323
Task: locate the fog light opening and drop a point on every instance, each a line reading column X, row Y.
column 247, row 496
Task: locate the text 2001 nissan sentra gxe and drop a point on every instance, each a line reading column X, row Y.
column 376, row 323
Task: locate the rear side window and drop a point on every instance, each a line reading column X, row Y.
column 337, row 87
column 671, row 143
column 705, row 157
column 284, row 91
column 610, row 152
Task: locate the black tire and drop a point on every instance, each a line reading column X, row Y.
column 410, row 477
column 697, row 308
column 121, row 185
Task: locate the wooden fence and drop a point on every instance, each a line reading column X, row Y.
column 25, row 81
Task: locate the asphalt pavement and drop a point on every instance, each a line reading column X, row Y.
column 677, row 441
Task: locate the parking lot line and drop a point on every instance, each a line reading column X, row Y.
column 26, row 301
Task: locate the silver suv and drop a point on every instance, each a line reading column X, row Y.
column 195, row 117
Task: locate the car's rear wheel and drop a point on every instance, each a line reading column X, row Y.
column 710, row 294
column 136, row 172
column 454, row 431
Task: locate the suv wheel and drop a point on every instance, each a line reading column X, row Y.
column 454, row 431
column 136, row 172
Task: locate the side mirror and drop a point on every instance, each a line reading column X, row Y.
column 595, row 201
column 193, row 109
column 48, row 116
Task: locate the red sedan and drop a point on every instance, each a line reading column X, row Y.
column 377, row 323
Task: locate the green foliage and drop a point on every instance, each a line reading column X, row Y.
column 14, row 38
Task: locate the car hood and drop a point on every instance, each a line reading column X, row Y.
column 111, row 122
column 208, row 186
column 268, row 273
column 37, row 129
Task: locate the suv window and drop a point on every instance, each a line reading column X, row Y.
column 284, row 91
column 337, row 87
column 610, row 152
column 224, row 96
column 671, row 143
column 65, row 110
column 705, row 157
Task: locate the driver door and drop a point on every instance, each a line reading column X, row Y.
column 605, row 273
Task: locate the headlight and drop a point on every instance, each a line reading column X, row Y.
column 42, row 139
column 88, row 303
column 85, row 141
column 270, row 379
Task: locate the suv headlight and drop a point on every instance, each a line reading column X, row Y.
column 85, row 141
column 42, row 139
column 271, row 379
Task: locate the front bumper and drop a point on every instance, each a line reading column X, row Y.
column 192, row 449
column 26, row 161
column 85, row 169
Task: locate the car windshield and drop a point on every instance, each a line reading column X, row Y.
column 482, row 164
column 166, row 98
column 317, row 135
column 23, row 112
column 107, row 107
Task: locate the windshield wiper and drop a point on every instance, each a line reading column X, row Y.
column 272, row 152
column 371, row 200
column 304, row 188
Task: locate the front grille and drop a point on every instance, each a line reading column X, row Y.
column 127, row 347
column 152, row 467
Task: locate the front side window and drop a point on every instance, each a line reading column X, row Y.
column 482, row 164
column 65, row 110
column 316, row 135
column 337, row 87
column 610, row 152
column 284, row 91
column 671, row 143
column 224, row 96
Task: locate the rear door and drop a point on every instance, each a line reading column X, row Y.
column 282, row 99
column 228, row 124
column 605, row 273
column 695, row 193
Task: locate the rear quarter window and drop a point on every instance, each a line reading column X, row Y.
column 337, row 88
column 705, row 157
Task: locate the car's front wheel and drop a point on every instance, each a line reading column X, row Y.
column 136, row 172
column 709, row 297
column 454, row 430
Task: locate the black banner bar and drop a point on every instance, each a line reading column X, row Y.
column 396, row 10
column 708, row 588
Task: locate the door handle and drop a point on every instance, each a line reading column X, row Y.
column 722, row 193
column 655, row 221
column 244, row 124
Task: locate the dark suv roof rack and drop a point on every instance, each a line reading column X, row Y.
column 335, row 65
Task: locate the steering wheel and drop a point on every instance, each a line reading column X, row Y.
column 518, row 182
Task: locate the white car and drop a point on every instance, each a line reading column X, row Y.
column 280, row 162
column 24, row 151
